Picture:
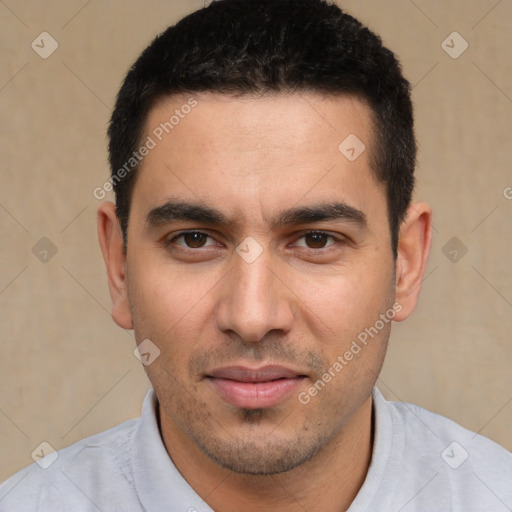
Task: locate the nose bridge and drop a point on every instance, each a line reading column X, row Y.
column 254, row 284
column 254, row 301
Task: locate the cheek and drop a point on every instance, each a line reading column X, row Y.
column 163, row 311
column 162, row 294
column 340, row 306
column 172, row 308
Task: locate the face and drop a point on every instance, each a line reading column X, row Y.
column 258, row 253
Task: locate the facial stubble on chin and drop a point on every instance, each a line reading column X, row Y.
column 250, row 458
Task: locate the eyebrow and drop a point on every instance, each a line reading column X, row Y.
column 173, row 211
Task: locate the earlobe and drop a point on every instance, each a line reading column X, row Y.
column 111, row 243
column 413, row 250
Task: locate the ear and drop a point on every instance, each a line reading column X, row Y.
column 111, row 242
column 413, row 250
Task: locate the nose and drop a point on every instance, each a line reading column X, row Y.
column 255, row 300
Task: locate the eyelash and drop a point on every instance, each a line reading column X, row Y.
column 183, row 233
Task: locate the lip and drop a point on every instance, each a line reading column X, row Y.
column 255, row 388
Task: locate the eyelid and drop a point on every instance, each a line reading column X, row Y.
column 335, row 238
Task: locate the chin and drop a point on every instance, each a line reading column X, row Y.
column 263, row 458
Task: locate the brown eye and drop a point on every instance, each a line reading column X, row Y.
column 316, row 240
column 194, row 240
column 191, row 240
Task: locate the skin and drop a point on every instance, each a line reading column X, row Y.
column 300, row 304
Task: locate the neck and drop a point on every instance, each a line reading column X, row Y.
column 329, row 481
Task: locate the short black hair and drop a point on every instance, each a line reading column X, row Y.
column 254, row 47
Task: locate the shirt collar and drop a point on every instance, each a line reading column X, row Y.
column 158, row 483
column 387, row 454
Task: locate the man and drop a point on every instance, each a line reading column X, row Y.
column 262, row 242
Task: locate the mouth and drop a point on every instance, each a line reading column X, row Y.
column 255, row 388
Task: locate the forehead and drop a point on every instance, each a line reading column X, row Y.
column 296, row 122
column 260, row 152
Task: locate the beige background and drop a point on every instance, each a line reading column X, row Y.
column 67, row 371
